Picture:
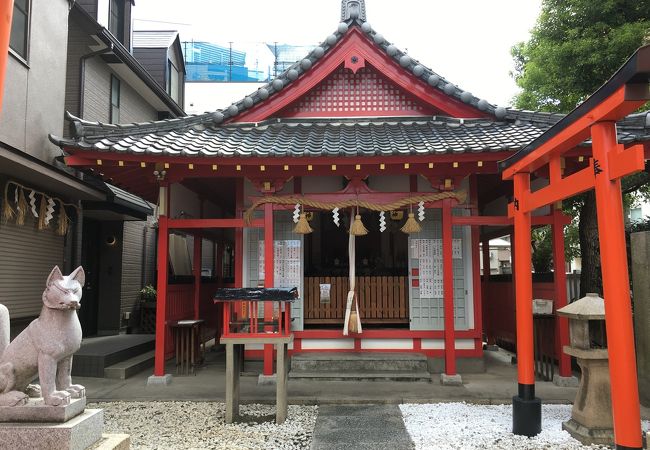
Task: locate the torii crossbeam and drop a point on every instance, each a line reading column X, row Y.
column 594, row 119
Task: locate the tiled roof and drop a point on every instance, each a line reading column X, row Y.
column 333, row 137
column 316, row 137
column 153, row 39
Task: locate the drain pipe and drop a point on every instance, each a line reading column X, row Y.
column 82, row 74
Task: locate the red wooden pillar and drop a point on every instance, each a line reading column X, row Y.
column 448, row 287
column 486, row 285
column 559, row 277
column 476, row 265
column 196, row 264
column 6, row 11
column 268, row 280
column 527, row 410
column 239, row 235
column 616, row 291
column 161, row 285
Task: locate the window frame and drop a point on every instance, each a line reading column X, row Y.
column 121, row 20
column 28, row 29
column 171, row 67
column 114, row 81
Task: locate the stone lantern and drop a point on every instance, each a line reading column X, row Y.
column 591, row 416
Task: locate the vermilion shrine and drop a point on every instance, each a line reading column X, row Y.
column 359, row 127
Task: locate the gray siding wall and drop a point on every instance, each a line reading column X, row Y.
column 155, row 61
column 34, row 93
column 90, row 6
column 27, row 257
column 138, row 262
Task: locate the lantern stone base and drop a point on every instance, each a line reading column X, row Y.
column 589, row 436
column 565, row 381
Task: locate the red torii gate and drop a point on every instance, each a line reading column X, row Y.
column 626, row 91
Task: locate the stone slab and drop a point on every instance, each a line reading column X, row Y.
column 113, row 442
column 588, row 436
column 76, row 434
column 164, row 380
column 451, row 380
column 37, row 411
column 371, row 427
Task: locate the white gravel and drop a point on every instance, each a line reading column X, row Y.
column 443, row 426
column 201, row 425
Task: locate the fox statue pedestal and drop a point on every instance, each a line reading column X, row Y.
column 51, row 416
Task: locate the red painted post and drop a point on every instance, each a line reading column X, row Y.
column 476, row 265
column 6, row 12
column 239, row 234
column 527, row 414
column 559, row 277
column 196, row 264
column 448, row 288
column 161, row 288
column 268, row 280
column 616, row 291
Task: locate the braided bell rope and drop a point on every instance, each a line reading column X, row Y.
column 461, row 196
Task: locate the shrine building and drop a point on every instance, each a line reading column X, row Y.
column 358, row 134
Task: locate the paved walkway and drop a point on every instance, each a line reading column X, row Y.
column 360, row 427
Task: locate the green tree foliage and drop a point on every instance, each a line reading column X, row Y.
column 575, row 46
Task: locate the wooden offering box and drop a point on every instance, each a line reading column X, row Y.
column 244, row 311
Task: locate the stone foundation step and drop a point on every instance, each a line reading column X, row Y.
column 131, row 366
column 384, row 375
column 358, row 362
column 97, row 353
column 113, row 442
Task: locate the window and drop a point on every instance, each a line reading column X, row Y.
column 116, row 19
column 172, row 80
column 115, row 100
column 20, row 28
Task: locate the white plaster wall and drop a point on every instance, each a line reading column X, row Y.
column 389, row 183
column 184, row 200
column 311, row 185
column 328, row 344
column 387, row 344
column 439, row 344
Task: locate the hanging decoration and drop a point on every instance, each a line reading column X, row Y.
column 382, row 221
column 460, row 196
column 411, row 226
column 335, row 217
column 296, row 213
column 421, row 211
column 358, row 228
column 352, row 321
column 41, row 206
column 302, row 225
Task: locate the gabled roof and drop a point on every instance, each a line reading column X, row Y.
column 153, row 38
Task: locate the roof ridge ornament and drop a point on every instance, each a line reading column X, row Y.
column 353, row 9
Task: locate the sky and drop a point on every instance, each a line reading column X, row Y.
column 466, row 41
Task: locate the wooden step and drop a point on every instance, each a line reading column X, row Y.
column 131, row 366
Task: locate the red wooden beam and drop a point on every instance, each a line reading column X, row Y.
column 187, row 224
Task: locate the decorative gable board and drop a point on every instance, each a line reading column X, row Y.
column 354, row 51
column 364, row 93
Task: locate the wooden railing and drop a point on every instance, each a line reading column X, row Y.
column 381, row 299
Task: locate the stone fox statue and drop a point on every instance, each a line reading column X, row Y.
column 44, row 349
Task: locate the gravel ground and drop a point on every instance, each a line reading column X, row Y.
column 444, row 426
column 201, row 425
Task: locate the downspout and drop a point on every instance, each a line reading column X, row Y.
column 82, row 74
